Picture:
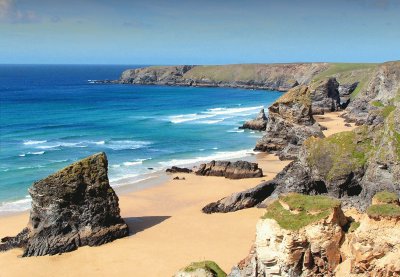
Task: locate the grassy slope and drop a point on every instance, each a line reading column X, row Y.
column 348, row 73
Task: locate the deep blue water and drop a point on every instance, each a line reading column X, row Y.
column 51, row 116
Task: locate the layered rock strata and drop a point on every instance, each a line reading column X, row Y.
column 290, row 123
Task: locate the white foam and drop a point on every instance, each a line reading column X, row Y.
column 126, row 144
column 16, row 206
column 236, row 131
column 214, row 115
column 216, row 156
column 34, row 142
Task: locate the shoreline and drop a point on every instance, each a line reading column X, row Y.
column 168, row 229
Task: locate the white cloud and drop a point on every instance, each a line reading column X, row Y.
column 9, row 12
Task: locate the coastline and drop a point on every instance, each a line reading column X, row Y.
column 169, row 229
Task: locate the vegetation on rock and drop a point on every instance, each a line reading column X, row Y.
column 303, row 210
column 209, row 266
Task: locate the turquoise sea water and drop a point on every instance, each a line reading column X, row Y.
column 51, row 116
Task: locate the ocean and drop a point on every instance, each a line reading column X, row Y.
column 53, row 115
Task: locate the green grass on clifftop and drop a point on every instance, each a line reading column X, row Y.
column 384, row 210
column 304, row 210
column 206, row 265
column 386, row 197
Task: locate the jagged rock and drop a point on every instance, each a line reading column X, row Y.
column 325, row 96
column 74, row 207
column 241, row 200
column 347, row 89
column 258, row 124
column 294, row 239
column 230, row 170
column 176, row 169
column 381, row 89
column 290, row 123
column 346, row 165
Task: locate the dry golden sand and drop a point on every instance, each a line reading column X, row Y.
column 169, row 230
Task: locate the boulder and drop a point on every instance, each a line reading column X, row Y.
column 176, row 169
column 74, row 207
column 230, row 170
column 201, row 269
column 290, row 123
column 258, row 124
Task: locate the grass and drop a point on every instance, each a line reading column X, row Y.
column 386, row 197
column 377, row 104
column 208, row 266
column 384, row 210
column 309, row 209
column 387, row 110
column 339, row 154
column 353, row 226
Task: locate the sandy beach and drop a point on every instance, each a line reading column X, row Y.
column 168, row 229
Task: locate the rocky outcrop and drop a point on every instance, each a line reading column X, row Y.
column 176, row 169
column 258, row 124
column 74, row 207
column 352, row 166
column 381, row 89
column 298, row 236
column 280, row 77
column 325, row 96
column 230, row 170
column 290, row 123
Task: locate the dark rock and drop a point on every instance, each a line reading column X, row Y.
column 258, row 124
column 325, row 96
column 241, row 200
column 347, row 125
column 176, row 169
column 347, row 89
column 290, row 123
column 230, row 170
column 74, row 207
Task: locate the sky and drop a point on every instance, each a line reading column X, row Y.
column 198, row 32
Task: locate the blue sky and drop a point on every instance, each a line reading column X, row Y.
column 198, row 32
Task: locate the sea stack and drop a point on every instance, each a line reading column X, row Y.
column 74, row 207
column 258, row 124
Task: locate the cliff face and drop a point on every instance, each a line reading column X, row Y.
column 290, row 123
column 310, row 236
column 251, row 76
column 381, row 88
column 351, row 165
column 71, row 208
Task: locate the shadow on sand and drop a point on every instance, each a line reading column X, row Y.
column 139, row 224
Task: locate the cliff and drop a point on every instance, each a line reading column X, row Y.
column 280, row 77
column 311, row 236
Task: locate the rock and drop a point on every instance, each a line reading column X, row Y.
column 290, row 123
column 347, row 125
column 176, row 169
column 241, row 200
column 325, row 96
column 177, row 178
column 230, row 170
column 74, row 207
column 380, row 90
column 347, row 89
column 258, row 124
column 295, row 239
